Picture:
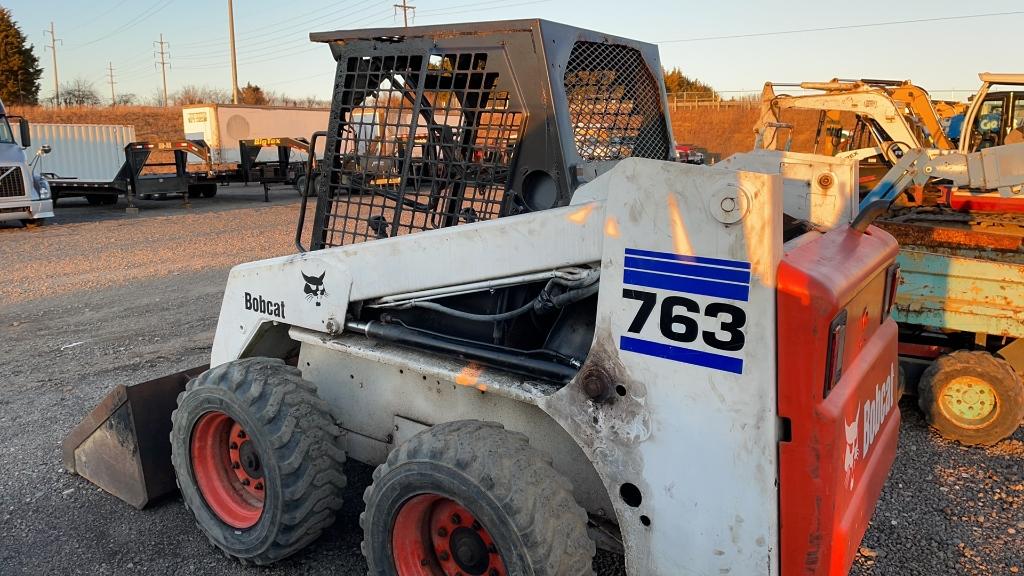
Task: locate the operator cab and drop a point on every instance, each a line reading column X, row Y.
column 1000, row 120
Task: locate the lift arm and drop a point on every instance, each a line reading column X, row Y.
column 1000, row 168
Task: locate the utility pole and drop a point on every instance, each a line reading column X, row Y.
column 405, row 8
column 110, row 74
column 234, row 65
column 163, row 54
column 53, row 48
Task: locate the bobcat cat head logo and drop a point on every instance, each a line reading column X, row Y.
column 314, row 287
column 852, row 450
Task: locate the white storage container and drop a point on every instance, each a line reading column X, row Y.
column 88, row 153
column 223, row 125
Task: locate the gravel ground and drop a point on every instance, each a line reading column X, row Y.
column 96, row 299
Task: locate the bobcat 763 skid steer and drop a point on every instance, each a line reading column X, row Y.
column 545, row 334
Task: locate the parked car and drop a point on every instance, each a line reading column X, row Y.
column 688, row 154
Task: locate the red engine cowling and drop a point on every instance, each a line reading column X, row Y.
column 838, row 391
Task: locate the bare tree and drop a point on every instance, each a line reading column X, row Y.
column 192, row 94
column 79, row 92
column 126, row 99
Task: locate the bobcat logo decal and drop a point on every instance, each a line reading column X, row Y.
column 314, row 287
column 852, row 450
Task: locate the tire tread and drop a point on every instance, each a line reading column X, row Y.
column 302, row 437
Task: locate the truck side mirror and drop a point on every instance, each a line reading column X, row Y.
column 26, row 138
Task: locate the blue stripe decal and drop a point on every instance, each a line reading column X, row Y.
column 688, row 269
column 684, row 355
column 695, row 259
column 689, row 285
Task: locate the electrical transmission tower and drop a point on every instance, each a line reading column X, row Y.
column 110, row 78
column 162, row 54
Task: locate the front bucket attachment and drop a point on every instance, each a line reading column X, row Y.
column 123, row 445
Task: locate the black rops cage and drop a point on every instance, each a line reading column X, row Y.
column 436, row 126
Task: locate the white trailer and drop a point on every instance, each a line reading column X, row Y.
column 84, row 153
column 221, row 126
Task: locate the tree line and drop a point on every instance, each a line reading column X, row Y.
column 81, row 92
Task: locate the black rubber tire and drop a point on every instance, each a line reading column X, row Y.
column 209, row 190
column 299, row 447
column 526, row 505
column 300, row 184
column 996, row 372
column 314, row 190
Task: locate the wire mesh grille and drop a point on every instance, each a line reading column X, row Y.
column 614, row 103
column 11, row 182
column 421, row 142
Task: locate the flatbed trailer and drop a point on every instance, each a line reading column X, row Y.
column 133, row 182
column 283, row 169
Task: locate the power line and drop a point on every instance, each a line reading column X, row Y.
column 844, row 27
column 53, row 48
column 97, row 17
column 253, row 36
column 448, row 11
column 445, row 12
column 145, row 15
column 271, row 53
column 163, row 54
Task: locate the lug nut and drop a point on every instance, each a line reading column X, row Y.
column 259, row 485
column 424, row 562
column 236, row 465
column 241, row 433
column 233, row 446
column 245, row 481
column 477, row 526
column 456, row 519
column 444, row 556
column 442, row 532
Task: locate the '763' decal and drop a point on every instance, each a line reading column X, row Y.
column 704, row 331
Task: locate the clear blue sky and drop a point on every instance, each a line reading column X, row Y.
column 274, row 50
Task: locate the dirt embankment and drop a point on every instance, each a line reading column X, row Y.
column 722, row 131
column 151, row 122
column 727, row 130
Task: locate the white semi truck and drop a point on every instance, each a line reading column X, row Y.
column 24, row 195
